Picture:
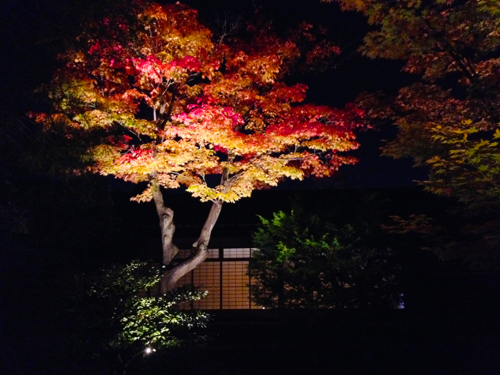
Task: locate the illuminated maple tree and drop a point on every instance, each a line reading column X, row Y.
column 165, row 103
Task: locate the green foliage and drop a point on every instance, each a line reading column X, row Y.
column 470, row 170
column 125, row 314
column 306, row 262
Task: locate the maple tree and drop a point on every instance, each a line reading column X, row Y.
column 155, row 98
column 448, row 119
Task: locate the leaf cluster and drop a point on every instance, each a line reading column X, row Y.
column 446, row 120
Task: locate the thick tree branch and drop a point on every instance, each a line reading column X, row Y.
column 164, row 117
column 462, row 61
column 199, row 251
column 166, row 216
column 200, row 248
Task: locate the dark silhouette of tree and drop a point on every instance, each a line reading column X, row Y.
column 447, row 121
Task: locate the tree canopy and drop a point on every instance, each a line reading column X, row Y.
column 175, row 104
column 448, row 120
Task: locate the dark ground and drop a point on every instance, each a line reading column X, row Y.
column 449, row 327
column 396, row 343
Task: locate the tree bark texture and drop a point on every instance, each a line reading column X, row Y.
column 173, row 273
column 167, row 227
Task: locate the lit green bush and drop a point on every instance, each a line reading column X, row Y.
column 121, row 314
column 305, row 261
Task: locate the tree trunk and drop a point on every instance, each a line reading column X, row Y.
column 167, row 227
column 173, row 273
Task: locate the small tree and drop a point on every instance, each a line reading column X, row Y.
column 305, row 262
column 153, row 98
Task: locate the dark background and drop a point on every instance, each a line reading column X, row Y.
column 53, row 227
